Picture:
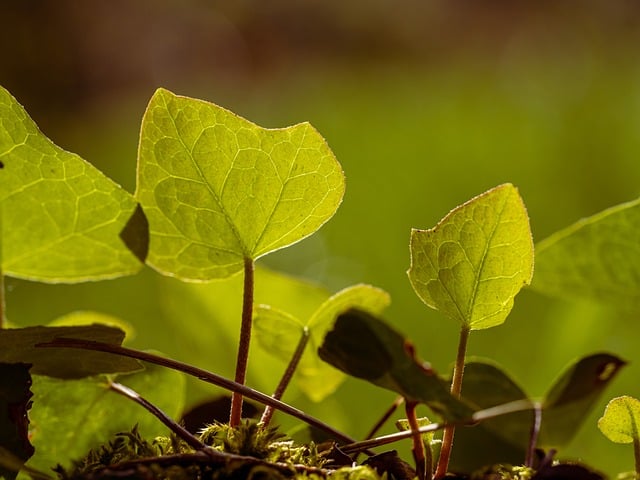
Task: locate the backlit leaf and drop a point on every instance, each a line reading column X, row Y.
column 365, row 347
column 279, row 333
column 472, row 264
column 596, row 258
column 70, row 417
column 60, row 218
column 20, row 345
column 573, row 395
column 621, row 420
column 217, row 188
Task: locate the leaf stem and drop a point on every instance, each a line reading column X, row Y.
column 176, row 428
column 200, row 374
column 534, row 434
column 417, row 443
column 3, row 315
column 456, row 389
column 636, row 452
column 245, row 340
column 286, row 377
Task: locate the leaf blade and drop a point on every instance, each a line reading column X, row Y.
column 365, row 347
column 60, row 218
column 596, row 257
column 476, row 259
column 218, row 188
column 620, row 420
column 572, row 396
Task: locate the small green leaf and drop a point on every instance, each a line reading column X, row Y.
column 473, row 263
column 621, row 419
column 69, row 417
column 596, row 258
column 573, row 395
column 218, row 189
column 279, row 333
column 20, row 345
column 60, row 218
column 365, row 347
column 502, row 439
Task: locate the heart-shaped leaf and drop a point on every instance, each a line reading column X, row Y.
column 21, row 345
column 472, row 264
column 621, row 420
column 60, row 218
column 573, row 395
column 279, row 333
column 15, row 401
column 596, row 258
column 365, row 347
column 218, row 189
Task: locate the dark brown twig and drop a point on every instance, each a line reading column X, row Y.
column 201, row 374
column 176, row 428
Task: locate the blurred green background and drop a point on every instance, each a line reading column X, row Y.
column 426, row 103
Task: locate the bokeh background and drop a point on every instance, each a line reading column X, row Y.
column 426, row 103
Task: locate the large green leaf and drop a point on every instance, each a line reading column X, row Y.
column 362, row 345
column 218, row 189
column 21, row 345
column 72, row 416
column 621, row 420
column 573, row 395
column 473, row 263
column 279, row 333
column 60, row 218
column 596, row 258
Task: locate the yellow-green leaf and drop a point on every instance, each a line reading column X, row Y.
column 218, row 189
column 60, row 218
column 596, row 258
column 471, row 265
column 621, row 419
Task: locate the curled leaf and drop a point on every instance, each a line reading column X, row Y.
column 364, row 346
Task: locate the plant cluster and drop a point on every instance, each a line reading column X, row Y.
column 215, row 193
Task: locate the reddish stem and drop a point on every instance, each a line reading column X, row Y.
column 245, row 341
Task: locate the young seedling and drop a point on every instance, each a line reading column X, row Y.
column 470, row 266
column 219, row 192
column 621, row 424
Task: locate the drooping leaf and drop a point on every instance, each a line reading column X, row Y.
column 472, row 264
column 15, row 401
column 60, row 218
column 20, row 345
column 621, row 420
column 573, row 395
column 502, row 439
column 279, row 334
column 365, row 347
column 72, row 416
column 90, row 317
column 596, row 258
column 217, row 188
